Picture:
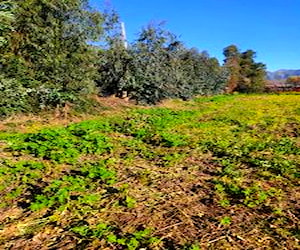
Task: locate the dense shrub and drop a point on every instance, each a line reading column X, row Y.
column 13, row 96
column 46, row 53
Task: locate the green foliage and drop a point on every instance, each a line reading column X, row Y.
column 201, row 165
column 155, row 127
column 157, row 66
column 115, row 61
column 114, row 69
column 20, row 167
column 58, row 193
column 6, row 21
column 252, row 196
column 103, row 231
column 135, row 240
column 55, row 40
column 252, row 74
column 62, row 145
column 13, row 97
column 18, row 178
column 255, row 195
column 164, row 68
column 49, row 55
column 225, row 221
column 62, row 191
column 98, row 231
column 130, row 202
column 151, row 65
column 52, row 60
column 16, row 97
column 98, row 171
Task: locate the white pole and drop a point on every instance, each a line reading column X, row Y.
column 124, row 35
column 123, row 94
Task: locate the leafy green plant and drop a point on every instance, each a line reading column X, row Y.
column 98, row 171
column 17, row 178
column 60, row 145
column 97, row 231
column 135, row 240
column 255, row 195
column 130, row 202
column 62, row 191
column 225, row 221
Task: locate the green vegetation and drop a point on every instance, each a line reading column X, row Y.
column 46, row 61
column 69, row 54
column 217, row 172
column 213, row 172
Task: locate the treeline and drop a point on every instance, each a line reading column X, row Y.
column 56, row 52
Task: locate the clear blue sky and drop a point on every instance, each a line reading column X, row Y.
column 269, row 27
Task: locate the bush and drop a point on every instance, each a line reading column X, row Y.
column 13, row 97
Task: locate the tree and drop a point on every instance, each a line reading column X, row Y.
column 232, row 63
column 200, row 74
column 114, row 60
column 152, row 65
column 252, row 74
column 245, row 74
column 6, row 21
column 156, row 66
column 49, row 44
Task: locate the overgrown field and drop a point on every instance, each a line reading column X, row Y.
column 212, row 173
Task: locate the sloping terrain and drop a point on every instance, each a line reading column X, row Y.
column 212, row 173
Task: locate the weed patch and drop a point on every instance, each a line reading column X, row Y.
column 216, row 172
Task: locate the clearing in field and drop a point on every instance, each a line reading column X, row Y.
column 212, row 173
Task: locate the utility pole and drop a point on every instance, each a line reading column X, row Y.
column 123, row 34
column 122, row 93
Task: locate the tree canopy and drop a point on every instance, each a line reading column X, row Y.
column 56, row 52
column 158, row 66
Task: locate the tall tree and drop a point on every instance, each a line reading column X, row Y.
column 199, row 73
column 114, row 60
column 246, row 75
column 156, row 66
column 232, row 63
column 165, row 68
column 151, row 64
column 49, row 43
column 252, row 74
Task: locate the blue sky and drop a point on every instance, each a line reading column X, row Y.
column 269, row 27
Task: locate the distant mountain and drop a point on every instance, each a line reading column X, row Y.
column 282, row 74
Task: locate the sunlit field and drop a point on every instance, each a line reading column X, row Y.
column 211, row 173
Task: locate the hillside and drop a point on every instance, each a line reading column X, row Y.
column 282, row 74
column 211, row 173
